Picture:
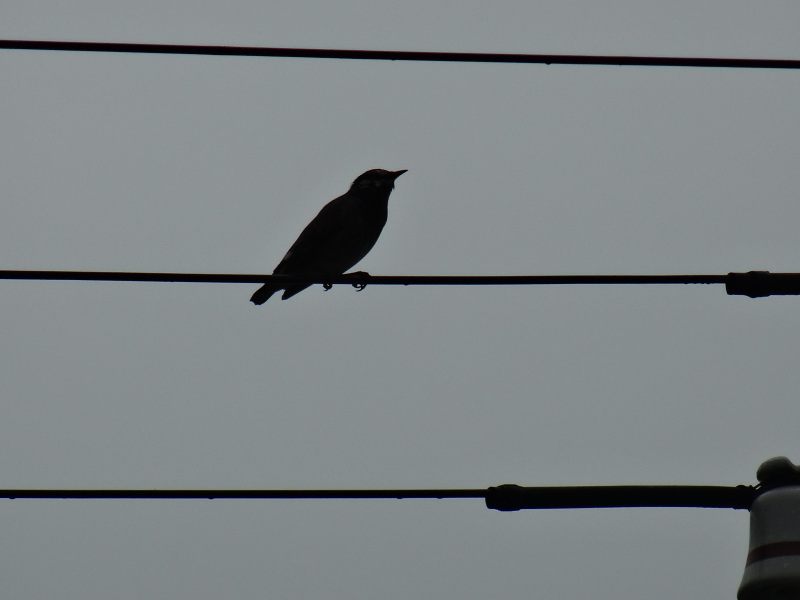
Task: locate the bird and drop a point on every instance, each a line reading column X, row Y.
column 343, row 232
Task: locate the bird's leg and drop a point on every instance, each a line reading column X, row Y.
column 361, row 278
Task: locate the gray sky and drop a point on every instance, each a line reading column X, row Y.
column 205, row 164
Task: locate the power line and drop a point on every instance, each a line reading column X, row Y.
column 755, row 284
column 512, row 497
column 359, row 278
column 508, row 497
column 479, row 57
column 242, row 494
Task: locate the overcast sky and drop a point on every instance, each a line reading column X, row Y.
column 209, row 164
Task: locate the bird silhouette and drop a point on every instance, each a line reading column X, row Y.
column 343, row 232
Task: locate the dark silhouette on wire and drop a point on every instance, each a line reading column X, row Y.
column 564, row 59
column 343, row 232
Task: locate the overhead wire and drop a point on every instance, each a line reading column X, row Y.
column 507, row 497
column 755, row 284
column 403, row 55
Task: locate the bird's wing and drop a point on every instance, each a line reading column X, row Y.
column 317, row 233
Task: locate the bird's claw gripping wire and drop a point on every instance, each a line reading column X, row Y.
column 361, row 278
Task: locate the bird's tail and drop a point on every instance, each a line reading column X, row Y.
column 294, row 289
column 264, row 293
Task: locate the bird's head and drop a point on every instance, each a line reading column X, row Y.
column 375, row 181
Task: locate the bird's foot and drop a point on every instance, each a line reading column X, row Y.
column 360, row 278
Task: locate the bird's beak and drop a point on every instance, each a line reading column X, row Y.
column 396, row 174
